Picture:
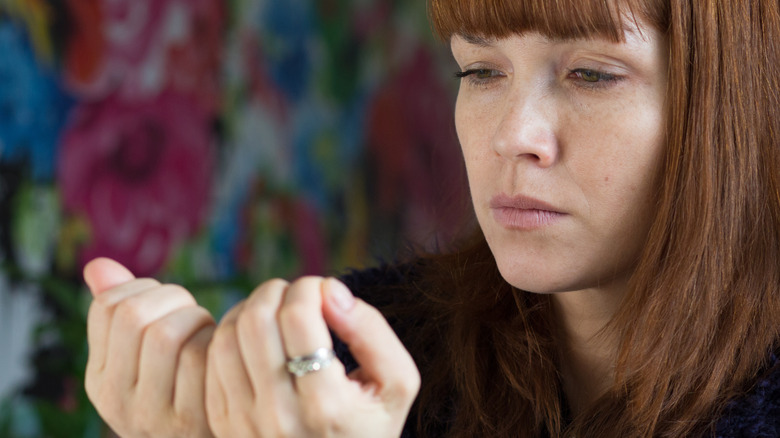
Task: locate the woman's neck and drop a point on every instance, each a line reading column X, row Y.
column 588, row 352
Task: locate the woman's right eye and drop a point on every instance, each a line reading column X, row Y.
column 479, row 76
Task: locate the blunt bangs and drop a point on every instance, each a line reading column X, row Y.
column 559, row 19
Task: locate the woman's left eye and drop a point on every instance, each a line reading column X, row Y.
column 592, row 77
column 479, row 76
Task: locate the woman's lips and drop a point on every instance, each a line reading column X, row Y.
column 523, row 213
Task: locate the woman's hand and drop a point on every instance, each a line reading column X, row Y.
column 147, row 354
column 250, row 393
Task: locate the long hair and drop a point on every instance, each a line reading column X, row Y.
column 701, row 316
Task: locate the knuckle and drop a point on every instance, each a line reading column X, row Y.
column 295, row 314
column 163, row 336
column 304, row 287
column 91, row 387
column 146, row 282
column 411, row 387
column 256, row 318
column 202, row 316
column 110, row 407
column 111, row 296
column 404, row 389
column 92, row 371
column 131, row 312
column 274, row 283
column 323, row 413
column 416, row 383
column 177, row 291
column 193, row 354
column 308, row 280
column 268, row 294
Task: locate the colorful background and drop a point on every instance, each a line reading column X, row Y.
column 211, row 143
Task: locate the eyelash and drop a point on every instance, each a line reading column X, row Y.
column 472, row 76
column 603, row 79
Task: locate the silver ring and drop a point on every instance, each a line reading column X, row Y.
column 319, row 360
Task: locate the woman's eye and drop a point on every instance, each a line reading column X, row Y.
column 478, row 75
column 592, row 77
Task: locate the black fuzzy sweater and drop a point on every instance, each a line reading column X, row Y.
column 754, row 414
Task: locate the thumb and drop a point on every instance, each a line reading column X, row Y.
column 102, row 274
column 382, row 357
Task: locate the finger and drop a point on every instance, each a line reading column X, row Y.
column 100, row 316
column 304, row 331
column 131, row 317
column 190, row 387
column 103, row 274
column 383, row 360
column 261, row 344
column 228, row 362
column 161, row 349
column 216, row 399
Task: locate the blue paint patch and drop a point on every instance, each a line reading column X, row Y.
column 287, row 43
column 33, row 107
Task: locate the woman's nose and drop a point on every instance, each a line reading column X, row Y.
column 526, row 131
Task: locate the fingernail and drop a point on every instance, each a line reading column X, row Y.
column 340, row 295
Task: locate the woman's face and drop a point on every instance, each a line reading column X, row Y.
column 562, row 141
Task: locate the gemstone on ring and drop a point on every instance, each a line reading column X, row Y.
column 319, row 360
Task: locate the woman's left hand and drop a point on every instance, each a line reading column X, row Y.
column 148, row 342
column 250, row 392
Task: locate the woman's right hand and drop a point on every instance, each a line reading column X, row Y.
column 147, row 354
column 252, row 394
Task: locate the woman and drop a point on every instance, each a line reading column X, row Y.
column 624, row 168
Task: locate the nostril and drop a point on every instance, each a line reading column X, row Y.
column 540, row 146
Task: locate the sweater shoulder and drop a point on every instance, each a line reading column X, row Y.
column 756, row 413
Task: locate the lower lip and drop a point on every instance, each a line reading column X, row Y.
column 522, row 219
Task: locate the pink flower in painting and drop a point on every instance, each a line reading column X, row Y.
column 140, row 173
